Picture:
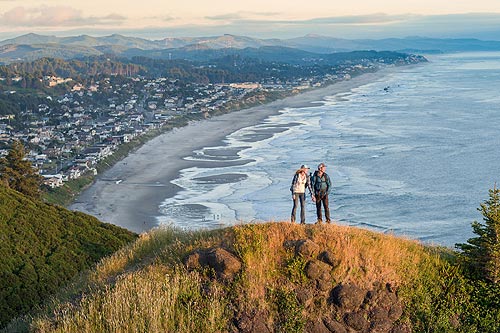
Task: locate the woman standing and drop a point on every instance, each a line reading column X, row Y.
column 299, row 183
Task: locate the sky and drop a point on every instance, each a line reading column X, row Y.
column 157, row 19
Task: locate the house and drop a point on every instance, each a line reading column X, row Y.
column 76, row 172
column 98, row 151
column 77, row 87
column 53, row 181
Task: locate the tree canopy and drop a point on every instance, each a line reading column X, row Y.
column 43, row 246
column 18, row 174
column 482, row 253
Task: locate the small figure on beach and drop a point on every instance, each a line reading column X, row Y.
column 300, row 182
column 321, row 185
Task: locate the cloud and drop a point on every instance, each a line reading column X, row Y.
column 54, row 16
column 377, row 25
column 243, row 16
column 372, row 19
column 225, row 17
column 66, row 20
column 253, row 18
column 159, row 18
column 379, row 18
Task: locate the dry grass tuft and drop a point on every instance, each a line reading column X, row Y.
column 153, row 299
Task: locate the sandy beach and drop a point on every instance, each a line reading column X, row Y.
column 130, row 192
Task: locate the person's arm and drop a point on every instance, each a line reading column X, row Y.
column 308, row 184
column 328, row 184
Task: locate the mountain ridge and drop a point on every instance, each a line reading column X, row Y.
column 83, row 45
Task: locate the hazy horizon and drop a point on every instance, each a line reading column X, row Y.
column 154, row 19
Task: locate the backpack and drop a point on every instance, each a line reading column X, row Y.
column 317, row 182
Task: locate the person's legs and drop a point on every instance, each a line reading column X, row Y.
column 302, row 198
column 294, row 208
column 318, row 209
column 327, row 209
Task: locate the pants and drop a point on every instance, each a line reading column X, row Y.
column 302, row 198
column 322, row 198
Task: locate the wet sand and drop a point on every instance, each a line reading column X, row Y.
column 130, row 193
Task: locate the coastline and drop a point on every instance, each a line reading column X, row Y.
column 131, row 191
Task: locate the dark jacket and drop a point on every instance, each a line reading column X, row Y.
column 321, row 185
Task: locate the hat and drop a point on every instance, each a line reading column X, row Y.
column 304, row 166
column 321, row 165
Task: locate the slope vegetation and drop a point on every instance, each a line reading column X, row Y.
column 274, row 277
column 43, row 246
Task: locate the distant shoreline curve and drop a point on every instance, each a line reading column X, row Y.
column 129, row 193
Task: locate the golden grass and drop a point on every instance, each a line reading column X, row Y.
column 145, row 288
column 365, row 257
column 154, row 299
column 144, row 249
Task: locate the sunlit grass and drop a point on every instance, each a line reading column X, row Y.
column 146, row 288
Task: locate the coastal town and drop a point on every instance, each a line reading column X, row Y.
column 69, row 134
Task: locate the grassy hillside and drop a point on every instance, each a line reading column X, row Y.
column 43, row 246
column 274, row 277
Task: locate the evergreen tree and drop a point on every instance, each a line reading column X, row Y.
column 483, row 252
column 17, row 173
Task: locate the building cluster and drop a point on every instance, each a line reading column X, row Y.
column 70, row 134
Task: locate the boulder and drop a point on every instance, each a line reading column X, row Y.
column 334, row 326
column 379, row 320
column 348, row 297
column 316, row 326
column 382, row 296
column 305, row 296
column 357, row 320
column 396, row 311
column 319, row 271
column 384, row 304
column 253, row 322
column 329, row 258
column 401, row 328
column 307, row 248
column 224, row 263
column 195, row 260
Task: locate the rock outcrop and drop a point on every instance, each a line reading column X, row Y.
column 351, row 308
column 224, row 263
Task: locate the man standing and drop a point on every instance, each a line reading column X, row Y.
column 321, row 185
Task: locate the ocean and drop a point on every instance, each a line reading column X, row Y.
column 413, row 153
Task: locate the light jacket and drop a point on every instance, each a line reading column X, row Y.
column 295, row 182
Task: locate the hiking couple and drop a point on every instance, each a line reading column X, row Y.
column 319, row 186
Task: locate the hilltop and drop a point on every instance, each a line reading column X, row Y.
column 43, row 247
column 273, row 277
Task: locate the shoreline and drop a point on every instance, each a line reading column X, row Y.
column 130, row 192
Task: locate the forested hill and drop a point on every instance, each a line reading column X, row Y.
column 43, row 246
column 199, row 66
